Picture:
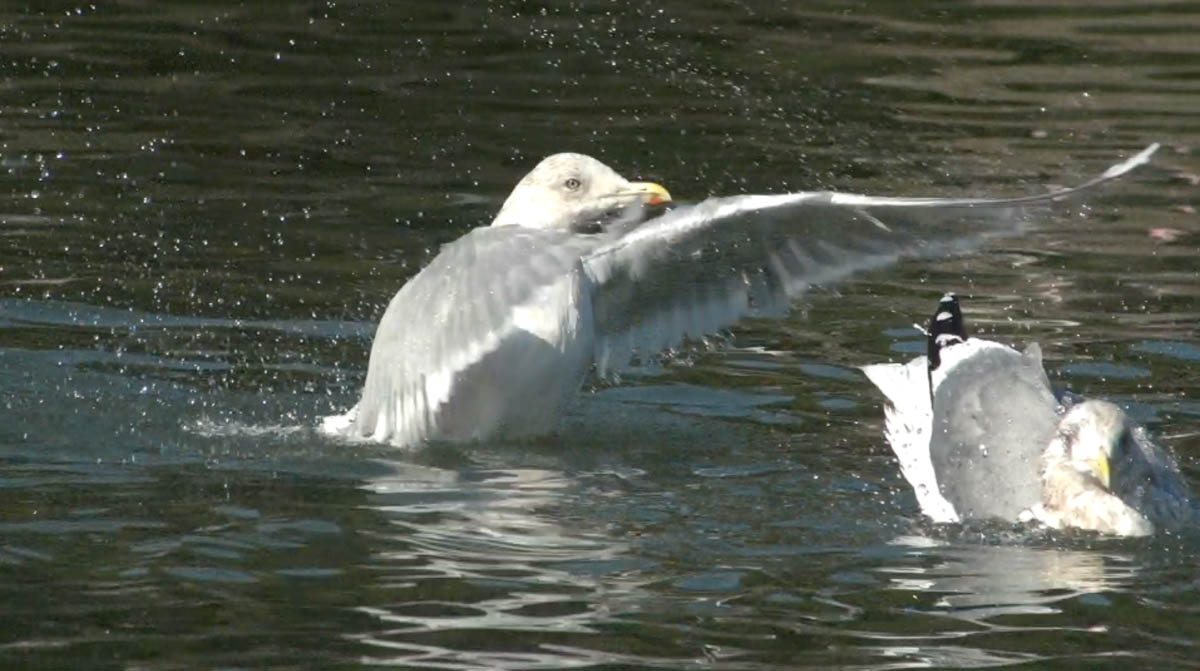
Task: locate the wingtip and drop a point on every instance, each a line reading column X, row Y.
column 946, row 327
column 1138, row 159
column 1144, row 155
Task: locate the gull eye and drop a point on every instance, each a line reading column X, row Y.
column 572, row 184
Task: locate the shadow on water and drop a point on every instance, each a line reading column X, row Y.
column 211, row 203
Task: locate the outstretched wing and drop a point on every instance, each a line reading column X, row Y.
column 907, row 421
column 480, row 292
column 700, row 268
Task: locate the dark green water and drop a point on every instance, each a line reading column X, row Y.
column 207, row 206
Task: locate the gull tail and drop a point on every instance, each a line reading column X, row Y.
column 338, row 426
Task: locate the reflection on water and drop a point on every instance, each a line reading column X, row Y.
column 211, row 203
column 981, row 582
column 479, row 552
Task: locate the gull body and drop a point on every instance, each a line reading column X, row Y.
column 493, row 338
column 979, row 433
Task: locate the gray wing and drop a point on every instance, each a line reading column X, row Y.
column 701, row 268
column 993, row 414
column 460, row 308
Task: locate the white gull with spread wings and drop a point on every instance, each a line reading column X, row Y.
column 498, row 332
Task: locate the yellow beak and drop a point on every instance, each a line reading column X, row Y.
column 1101, row 466
column 654, row 194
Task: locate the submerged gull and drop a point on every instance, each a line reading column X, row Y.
column 979, row 434
column 498, row 332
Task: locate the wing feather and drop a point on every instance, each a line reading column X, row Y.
column 728, row 258
column 464, row 305
column 908, row 421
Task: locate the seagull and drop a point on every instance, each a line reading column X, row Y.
column 979, row 434
column 498, row 332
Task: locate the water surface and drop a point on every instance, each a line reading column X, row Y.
column 210, row 204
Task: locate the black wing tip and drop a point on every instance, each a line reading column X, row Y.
column 945, row 328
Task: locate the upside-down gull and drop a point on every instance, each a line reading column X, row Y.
column 498, row 332
column 979, row 433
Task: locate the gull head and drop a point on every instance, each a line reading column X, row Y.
column 1097, row 436
column 577, row 193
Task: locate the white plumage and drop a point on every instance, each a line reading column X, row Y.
column 979, row 433
column 495, row 335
